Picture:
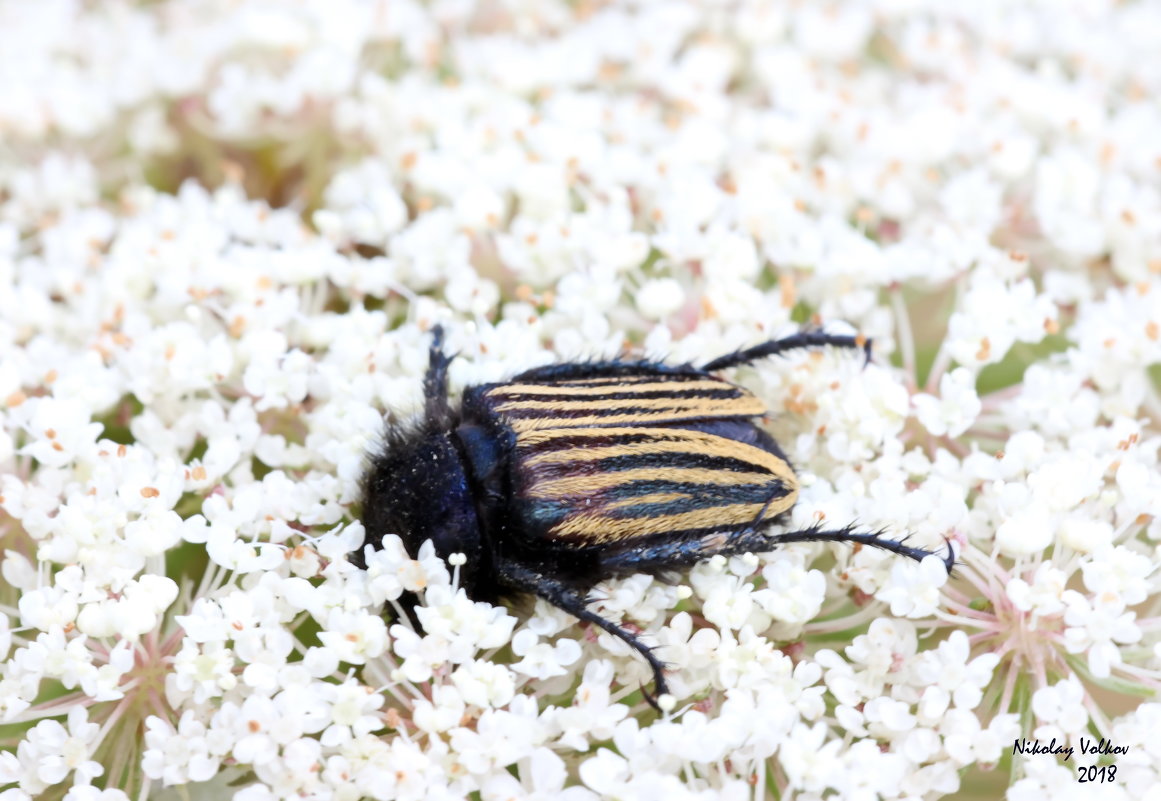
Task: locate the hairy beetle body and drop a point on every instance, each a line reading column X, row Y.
column 572, row 473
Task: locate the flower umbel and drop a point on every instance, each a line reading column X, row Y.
column 226, row 231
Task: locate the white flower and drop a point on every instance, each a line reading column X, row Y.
column 1043, row 597
column 442, row 713
column 1120, row 571
column 478, row 207
column 966, row 742
column 86, row 792
column 484, row 684
column 746, row 661
column 540, row 777
column 832, row 36
column 659, row 298
column 956, row 408
column 1094, row 626
column 59, row 751
column 1026, row 532
column 540, row 660
column 951, row 668
column 593, row 715
column 542, row 191
column 205, row 672
column 972, row 200
column 60, row 431
column 278, row 382
column 1066, row 194
column 604, row 772
column 730, row 604
column 811, row 761
column 354, row 636
column 47, row 608
column 1063, row 482
column 465, row 623
column 795, row 595
column 1085, row 536
column 993, row 315
column 190, row 380
column 914, row 588
column 390, row 571
column 181, row 756
column 732, row 256
column 352, row 711
column 233, row 553
column 364, row 204
column 888, row 717
column 1060, row 709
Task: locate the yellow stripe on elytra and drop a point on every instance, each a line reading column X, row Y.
column 537, row 423
column 640, row 412
column 702, row 445
column 622, row 387
column 629, row 404
column 599, row 529
column 554, row 489
column 655, row 497
column 634, row 378
column 533, row 439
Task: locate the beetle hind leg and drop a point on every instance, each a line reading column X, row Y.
column 774, row 347
column 560, row 595
column 677, row 554
column 680, row 553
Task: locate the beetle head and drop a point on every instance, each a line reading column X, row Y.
column 417, row 488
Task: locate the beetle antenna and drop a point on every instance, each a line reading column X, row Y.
column 435, row 380
column 776, row 347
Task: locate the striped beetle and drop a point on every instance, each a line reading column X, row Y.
column 573, row 473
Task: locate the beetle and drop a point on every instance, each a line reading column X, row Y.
column 576, row 472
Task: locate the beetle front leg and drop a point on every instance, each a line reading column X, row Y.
column 524, row 579
column 803, row 339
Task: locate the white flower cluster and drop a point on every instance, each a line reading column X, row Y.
column 226, row 229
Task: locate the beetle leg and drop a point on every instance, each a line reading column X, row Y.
column 803, row 339
column 559, row 594
column 873, row 538
column 650, row 559
column 677, row 554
